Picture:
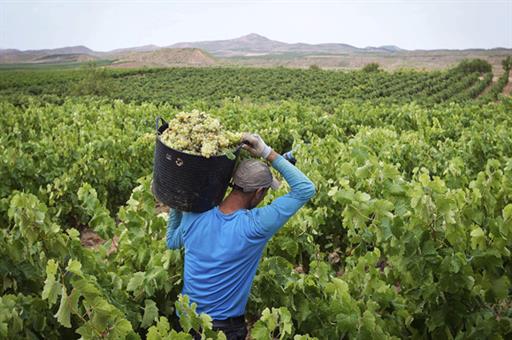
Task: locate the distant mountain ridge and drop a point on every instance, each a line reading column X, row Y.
column 144, row 48
column 250, row 45
column 247, row 45
column 253, row 44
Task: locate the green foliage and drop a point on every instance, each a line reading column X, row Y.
column 409, row 235
column 507, row 63
column 275, row 324
column 190, row 320
column 371, row 67
column 91, row 292
column 474, row 65
column 94, row 80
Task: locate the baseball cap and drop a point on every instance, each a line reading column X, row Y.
column 252, row 174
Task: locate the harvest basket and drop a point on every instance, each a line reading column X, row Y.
column 189, row 182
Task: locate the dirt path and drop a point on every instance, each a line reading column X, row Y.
column 507, row 91
column 488, row 88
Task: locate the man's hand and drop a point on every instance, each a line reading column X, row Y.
column 255, row 145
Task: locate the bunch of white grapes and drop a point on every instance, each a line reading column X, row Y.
column 198, row 133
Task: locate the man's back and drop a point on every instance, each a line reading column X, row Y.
column 220, row 261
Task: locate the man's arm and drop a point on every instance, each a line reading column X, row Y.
column 174, row 232
column 273, row 216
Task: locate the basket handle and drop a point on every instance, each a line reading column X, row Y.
column 159, row 119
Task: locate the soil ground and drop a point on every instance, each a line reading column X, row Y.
column 489, row 87
column 508, row 88
column 90, row 239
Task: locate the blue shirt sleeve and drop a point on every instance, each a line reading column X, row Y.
column 268, row 219
column 174, row 231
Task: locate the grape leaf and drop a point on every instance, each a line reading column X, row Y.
column 64, row 313
column 150, row 313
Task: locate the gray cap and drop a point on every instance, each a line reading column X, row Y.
column 252, row 174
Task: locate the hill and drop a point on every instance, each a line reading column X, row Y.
column 71, row 53
column 165, row 57
column 255, row 44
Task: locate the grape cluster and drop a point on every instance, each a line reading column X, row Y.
column 198, row 133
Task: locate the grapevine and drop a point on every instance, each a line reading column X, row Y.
column 409, row 235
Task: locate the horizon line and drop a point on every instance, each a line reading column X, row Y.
column 257, row 34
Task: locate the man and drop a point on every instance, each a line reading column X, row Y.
column 223, row 245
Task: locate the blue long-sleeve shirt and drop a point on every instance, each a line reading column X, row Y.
column 222, row 251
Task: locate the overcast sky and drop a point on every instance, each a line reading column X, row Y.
column 106, row 25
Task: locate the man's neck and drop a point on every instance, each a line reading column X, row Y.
column 232, row 203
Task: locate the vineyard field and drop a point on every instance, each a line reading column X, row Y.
column 409, row 235
column 181, row 86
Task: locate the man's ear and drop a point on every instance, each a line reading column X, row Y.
column 257, row 194
column 261, row 192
